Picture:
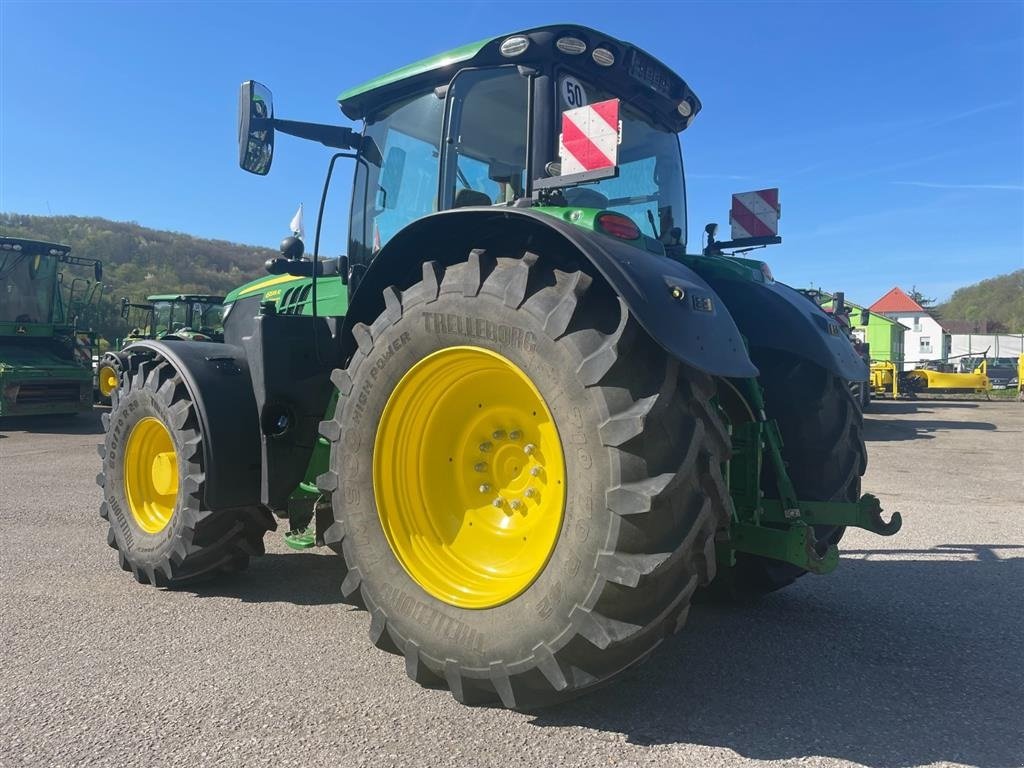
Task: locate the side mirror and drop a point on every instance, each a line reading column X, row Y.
column 97, row 271
column 255, row 127
column 865, row 317
column 124, row 307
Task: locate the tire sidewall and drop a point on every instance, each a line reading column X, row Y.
column 138, row 546
column 542, row 611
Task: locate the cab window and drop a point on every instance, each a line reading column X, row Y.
column 487, row 130
column 649, row 188
column 397, row 172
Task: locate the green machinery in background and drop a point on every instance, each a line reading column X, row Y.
column 530, row 421
column 45, row 343
column 167, row 317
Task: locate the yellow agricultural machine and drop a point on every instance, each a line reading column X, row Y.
column 934, row 378
column 944, row 381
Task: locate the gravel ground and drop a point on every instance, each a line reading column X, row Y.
column 911, row 653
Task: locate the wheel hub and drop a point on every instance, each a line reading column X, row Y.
column 469, row 477
column 107, row 379
column 165, row 473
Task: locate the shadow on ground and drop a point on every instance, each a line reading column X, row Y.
column 87, row 423
column 886, row 429
column 300, row 578
column 880, row 407
column 908, row 660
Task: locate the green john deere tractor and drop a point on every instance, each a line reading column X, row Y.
column 45, row 346
column 528, row 419
column 166, row 317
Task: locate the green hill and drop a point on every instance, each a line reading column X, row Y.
column 138, row 261
column 995, row 305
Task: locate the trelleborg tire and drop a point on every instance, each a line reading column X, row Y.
column 822, row 428
column 625, row 471
column 153, row 479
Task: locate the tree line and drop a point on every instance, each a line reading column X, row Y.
column 995, row 305
column 139, row 261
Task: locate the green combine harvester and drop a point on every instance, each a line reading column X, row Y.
column 45, row 353
column 529, row 420
column 166, row 317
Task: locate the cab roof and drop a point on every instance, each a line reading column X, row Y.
column 186, row 297
column 631, row 63
column 33, row 246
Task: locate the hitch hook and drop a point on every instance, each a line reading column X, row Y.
column 871, row 511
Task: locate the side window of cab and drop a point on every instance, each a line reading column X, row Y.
column 397, row 172
column 485, row 159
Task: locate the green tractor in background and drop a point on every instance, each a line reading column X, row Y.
column 166, row 317
column 45, row 344
column 530, row 422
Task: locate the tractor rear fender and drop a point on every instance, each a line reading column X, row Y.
column 670, row 301
column 775, row 316
column 219, row 384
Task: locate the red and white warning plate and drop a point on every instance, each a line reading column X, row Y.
column 755, row 214
column 590, row 137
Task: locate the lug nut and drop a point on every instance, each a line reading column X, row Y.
column 498, row 434
column 480, row 466
column 529, row 493
column 515, row 434
column 485, row 447
column 535, row 471
column 515, row 504
column 496, row 502
column 529, row 448
column 484, row 487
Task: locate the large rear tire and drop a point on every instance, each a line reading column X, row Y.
column 153, row 481
column 623, row 438
column 822, row 427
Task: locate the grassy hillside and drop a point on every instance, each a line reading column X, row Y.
column 998, row 301
column 138, row 261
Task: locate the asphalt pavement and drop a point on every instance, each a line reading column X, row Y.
column 911, row 653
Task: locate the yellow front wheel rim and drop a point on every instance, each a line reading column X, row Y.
column 107, row 380
column 151, row 474
column 469, row 477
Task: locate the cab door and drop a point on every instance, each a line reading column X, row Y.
column 486, row 138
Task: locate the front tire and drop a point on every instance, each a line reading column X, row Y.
column 633, row 436
column 108, row 372
column 153, row 481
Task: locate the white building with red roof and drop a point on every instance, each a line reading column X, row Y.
column 925, row 339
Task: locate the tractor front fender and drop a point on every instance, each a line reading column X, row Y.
column 670, row 301
column 220, row 387
column 774, row 316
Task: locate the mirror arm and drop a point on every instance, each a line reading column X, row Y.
column 335, row 136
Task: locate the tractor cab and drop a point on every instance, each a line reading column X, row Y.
column 566, row 120
column 175, row 316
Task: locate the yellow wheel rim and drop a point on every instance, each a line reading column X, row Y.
column 469, row 477
column 107, row 380
column 151, row 474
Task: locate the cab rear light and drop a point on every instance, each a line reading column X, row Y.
column 617, row 225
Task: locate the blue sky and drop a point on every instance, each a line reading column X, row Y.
column 894, row 130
